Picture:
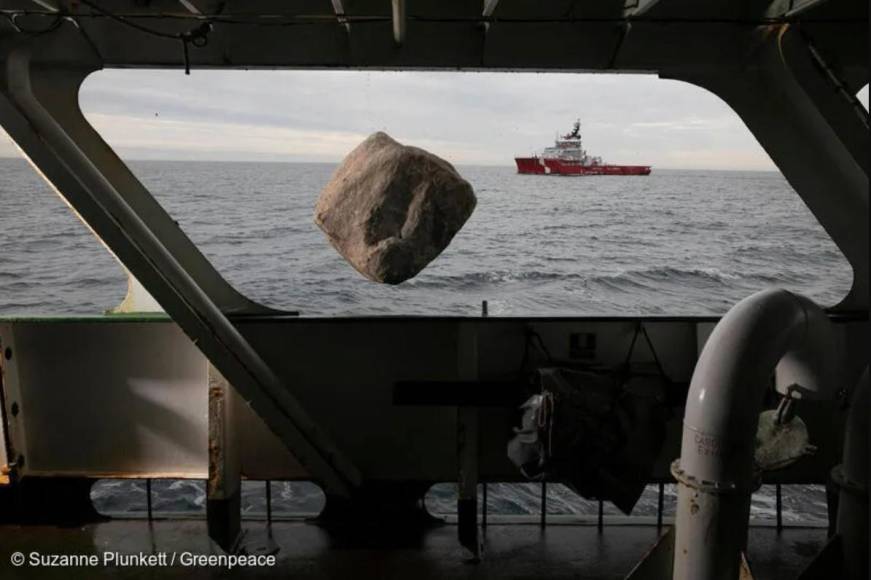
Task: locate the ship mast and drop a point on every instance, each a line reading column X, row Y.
column 575, row 132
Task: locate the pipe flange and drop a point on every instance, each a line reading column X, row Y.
column 714, row 487
column 850, row 486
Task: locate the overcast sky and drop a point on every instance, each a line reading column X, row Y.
column 468, row 118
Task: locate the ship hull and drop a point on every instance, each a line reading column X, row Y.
column 543, row 166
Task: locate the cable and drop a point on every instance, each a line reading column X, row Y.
column 127, row 22
column 198, row 36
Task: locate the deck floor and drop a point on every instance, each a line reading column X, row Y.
column 523, row 551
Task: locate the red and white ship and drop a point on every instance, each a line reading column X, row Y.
column 567, row 157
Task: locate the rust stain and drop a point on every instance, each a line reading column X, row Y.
column 216, row 477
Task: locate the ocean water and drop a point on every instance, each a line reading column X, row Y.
column 674, row 242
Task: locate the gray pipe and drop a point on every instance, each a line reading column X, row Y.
column 852, row 477
column 716, row 472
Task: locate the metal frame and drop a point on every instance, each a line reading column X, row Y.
column 39, row 108
column 789, row 101
column 5, row 440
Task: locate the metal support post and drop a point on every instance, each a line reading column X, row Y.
column 224, row 486
column 467, row 446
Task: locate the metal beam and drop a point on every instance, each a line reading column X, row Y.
column 399, row 26
column 489, row 8
column 634, row 8
column 5, row 440
column 468, row 450
column 790, row 8
column 47, row 4
column 190, row 7
column 339, row 9
column 224, row 486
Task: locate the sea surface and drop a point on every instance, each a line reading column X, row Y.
column 674, row 242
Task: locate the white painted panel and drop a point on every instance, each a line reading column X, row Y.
column 111, row 399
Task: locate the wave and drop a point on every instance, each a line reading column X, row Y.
column 473, row 280
column 654, row 279
column 658, row 278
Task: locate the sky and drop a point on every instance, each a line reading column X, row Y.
column 467, row 118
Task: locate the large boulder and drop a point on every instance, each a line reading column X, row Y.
column 391, row 209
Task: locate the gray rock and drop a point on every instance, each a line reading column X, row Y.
column 390, row 209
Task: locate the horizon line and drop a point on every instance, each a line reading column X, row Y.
column 336, row 162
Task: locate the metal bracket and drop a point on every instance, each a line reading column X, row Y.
column 715, row 487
